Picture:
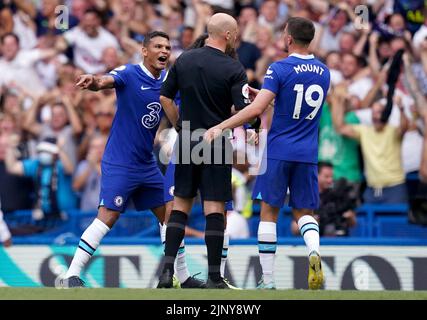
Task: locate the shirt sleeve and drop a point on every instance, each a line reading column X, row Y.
column 32, row 56
column 70, row 36
column 81, row 168
column 358, row 130
column 119, row 75
column 240, row 90
column 170, row 85
column 30, row 167
column 271, row 80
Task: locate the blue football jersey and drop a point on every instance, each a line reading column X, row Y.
column 300, row 84
column 137, row 119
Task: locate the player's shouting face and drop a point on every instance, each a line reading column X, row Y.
column 157, row 52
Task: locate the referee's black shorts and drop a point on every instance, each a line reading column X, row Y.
column 213, row 181
column 211, row 177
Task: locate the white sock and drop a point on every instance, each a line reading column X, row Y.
column 88, row 243
column 180, row 266
column 181, row 269
column 4, row 230
column 309, row 229
column 163, row 233
column 224, row 253
column 267, row 243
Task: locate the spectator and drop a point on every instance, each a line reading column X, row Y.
column 340, row 151
column 248, row 55
column 88, row 39
column 6, row 19
column 15, row 192
column 51, row 172
column 355, row 76
column 329, row 32
column 104, row 114
column 381, row 149
column 270, row 17
column 60, row 113
column 421, row 34
column 18, row 66
column 87, row 179
column 248, row 24
column 111, row 59
column 336, row 213
column 412, row 11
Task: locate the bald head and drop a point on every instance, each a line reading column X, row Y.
column 222, row 29
column 220, row 23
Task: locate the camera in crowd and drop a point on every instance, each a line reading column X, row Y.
column 335, row 202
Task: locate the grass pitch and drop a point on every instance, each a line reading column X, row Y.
column 190, row 294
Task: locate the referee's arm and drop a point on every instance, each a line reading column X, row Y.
column 167, row 95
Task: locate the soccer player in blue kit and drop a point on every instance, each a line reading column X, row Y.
column 129, row 169
column 299, row 85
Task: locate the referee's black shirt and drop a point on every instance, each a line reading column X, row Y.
column 210, row 83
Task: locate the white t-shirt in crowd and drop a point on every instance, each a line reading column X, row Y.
column 87, row 50
column 21, row 70
column 360, row 87
column 419, row 36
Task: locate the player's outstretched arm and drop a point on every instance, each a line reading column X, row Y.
column 95, row 83
column 255, row 109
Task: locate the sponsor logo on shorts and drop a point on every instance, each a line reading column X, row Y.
column 118, row 201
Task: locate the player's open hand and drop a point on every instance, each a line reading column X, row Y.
column 212, row 134
column 85, row 81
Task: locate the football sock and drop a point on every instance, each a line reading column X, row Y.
column 267, row 244
column 309, row 229
column 180, row 266
column 175, row 232
column 88, row 243
column 224, row 253
column 214, row 238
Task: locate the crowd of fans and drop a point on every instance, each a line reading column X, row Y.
column 52, row 135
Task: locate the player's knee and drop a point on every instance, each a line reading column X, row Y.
column 107, row 216
column 298, row 213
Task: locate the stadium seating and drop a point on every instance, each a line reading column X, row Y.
column 374, row 222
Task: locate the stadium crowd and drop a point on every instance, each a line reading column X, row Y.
column 52, row 135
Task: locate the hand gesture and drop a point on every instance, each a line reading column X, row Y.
column 85, row 81
column 212, row 134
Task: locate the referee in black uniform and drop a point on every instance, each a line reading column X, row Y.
column 210, row 82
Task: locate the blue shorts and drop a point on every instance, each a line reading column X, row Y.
column 299, row 177
column 143, row 186
column 170, row 186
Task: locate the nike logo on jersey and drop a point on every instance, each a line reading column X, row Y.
column 145, row 88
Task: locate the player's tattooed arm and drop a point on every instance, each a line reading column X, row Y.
column 95, row 83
